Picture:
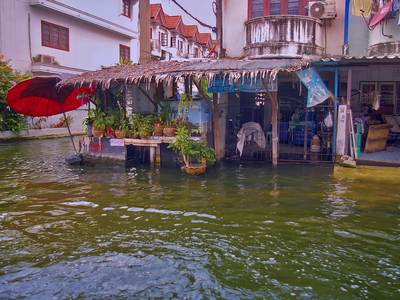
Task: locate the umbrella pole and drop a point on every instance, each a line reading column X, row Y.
column 66, row 121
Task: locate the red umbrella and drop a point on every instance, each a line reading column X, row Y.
column 40, row 97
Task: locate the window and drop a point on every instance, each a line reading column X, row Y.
column 126, row 8
column 124, row 52
column 180, row 46
column 55, row 36
column 196, row 53
column 259, row 8
column 173, row 41
column 164, row 39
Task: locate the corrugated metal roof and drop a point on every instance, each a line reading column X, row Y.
column 346, row 59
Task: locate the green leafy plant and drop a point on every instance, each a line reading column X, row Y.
column 98, row 116
column 9, row 119
column 167, row 113
column 189, row 148
column 125, row 62
column 142, row 124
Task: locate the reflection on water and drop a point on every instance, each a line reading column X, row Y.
column 240, row 232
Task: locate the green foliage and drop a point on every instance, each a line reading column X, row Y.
column 9, row 119
column 142, row 124
column 167, row 113
column 97, row 116
column 70, row 119
column 189, row 148
column 203, row 84
column 125, row 62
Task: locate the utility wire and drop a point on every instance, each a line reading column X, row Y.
column 214, row 29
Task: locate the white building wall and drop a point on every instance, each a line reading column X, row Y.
column 96, row 29
column 234, row 14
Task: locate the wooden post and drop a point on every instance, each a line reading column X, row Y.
column 198, row 85
column 216, row 127
column 274, row 101
column 275, row 129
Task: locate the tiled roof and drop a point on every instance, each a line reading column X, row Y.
column 204, row 37
column 154, row 8
column 172, row 21
column 190, row 30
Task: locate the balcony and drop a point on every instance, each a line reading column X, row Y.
column 283, row 36
column 155, row 47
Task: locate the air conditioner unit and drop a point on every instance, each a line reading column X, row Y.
column 322, row 9
column 46, row 59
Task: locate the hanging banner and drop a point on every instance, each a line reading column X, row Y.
column 246, row 84
column 221, row 85
column 255, row 85
column 317, row 90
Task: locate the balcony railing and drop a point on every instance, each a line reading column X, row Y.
column 155, row 47
column 283, row 36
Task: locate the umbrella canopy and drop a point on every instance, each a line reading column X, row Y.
column 39, row 97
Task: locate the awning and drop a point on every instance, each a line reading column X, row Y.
column 158, row 71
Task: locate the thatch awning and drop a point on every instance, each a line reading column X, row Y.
column 234, row 70
column 231, row 69
column 127, row 74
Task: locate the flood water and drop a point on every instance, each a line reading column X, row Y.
column 240, row 232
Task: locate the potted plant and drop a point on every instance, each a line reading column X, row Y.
column 88, row 122
column 146, row 126
column 98, row 117
column 158, row 127
column 142, row 125
column 191, row 150
column 167, row 114
column 123, row 129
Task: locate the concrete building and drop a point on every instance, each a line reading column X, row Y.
column 172, row 39
column 67, row 36
column 358, row 62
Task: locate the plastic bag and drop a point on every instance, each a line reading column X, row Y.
column 328, row 120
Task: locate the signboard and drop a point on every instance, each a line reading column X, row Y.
column 246, row 84
column 117, row 143
column 317, row 90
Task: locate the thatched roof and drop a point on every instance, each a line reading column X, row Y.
column 230, row 69
column 234, row 70
column 125, row 74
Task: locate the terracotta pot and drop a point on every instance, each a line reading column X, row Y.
column 118, row 133
column 169, row 131
column 195, row 169
column 158, row 130
column 96, row 132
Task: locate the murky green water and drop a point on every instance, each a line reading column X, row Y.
column 240, row 232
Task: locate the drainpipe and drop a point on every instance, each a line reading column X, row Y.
column 345, row 50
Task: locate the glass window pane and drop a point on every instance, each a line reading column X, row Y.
column 257, row 8
column 275, row 6
column 275, row 13
column 275, row 1
column 293, row 5
column 293, row 12
column 257, row 1
column 257, row 14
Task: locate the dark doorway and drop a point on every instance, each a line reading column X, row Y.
column 252, row 107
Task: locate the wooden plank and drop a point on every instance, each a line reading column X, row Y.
column 216, row 126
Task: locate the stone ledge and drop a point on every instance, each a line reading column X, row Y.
column 42, row 133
